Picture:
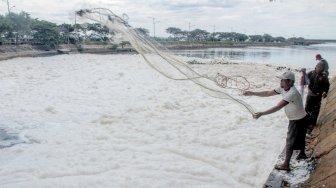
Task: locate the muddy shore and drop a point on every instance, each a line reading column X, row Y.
column 14, row 51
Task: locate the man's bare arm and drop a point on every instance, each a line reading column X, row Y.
column 280, row 105
column 260, row 93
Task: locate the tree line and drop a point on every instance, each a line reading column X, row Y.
column 178, row 34
column 20, row 28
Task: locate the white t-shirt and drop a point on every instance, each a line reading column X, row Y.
column 294, row 109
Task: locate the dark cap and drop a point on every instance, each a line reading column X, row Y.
column 318, row 56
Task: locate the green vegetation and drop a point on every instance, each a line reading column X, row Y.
column 45, row 33
column 20, row 28
column 176, row 34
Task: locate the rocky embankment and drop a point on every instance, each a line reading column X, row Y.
column 323, row 144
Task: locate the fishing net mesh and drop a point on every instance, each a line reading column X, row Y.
column 160, row 59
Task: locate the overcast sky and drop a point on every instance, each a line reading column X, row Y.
column 288, row 18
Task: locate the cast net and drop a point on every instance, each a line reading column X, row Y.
column 160, row 59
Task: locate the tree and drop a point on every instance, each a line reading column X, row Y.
column 199, row 34
column 65, row 30
column 177, row 33
column 256, row 38
column 82, row 31
column 142, row 31
column 267, row 38
column 46, row 33
column 98, row 32
column 4, row 27
column 229, row 36
column 19, row 25
column 279, row 39
column 241, row 37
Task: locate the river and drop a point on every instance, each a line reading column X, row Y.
column 88, row 120
column 298, row 56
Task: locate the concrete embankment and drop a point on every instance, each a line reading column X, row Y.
column 323, row 144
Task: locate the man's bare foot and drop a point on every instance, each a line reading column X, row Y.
column 301, row 156
column 282, row 167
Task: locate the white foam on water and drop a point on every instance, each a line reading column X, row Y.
column 112, row 121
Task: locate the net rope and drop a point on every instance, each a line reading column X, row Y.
column 159, row 58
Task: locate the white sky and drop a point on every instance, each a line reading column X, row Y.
column 288, row 18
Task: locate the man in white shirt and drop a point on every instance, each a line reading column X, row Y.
column 294, row 110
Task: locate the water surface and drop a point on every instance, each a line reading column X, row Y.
column 299, row 56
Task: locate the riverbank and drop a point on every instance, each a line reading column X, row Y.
column 201, row 45
column 13, row 51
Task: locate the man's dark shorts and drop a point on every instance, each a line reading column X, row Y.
column 313, row 105
column 296, row 134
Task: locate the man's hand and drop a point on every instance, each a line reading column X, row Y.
column 247, row 93
column 257, row 115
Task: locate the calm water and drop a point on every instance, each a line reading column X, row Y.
column 301, row 56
